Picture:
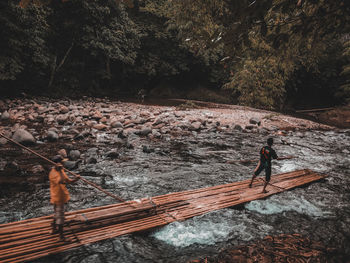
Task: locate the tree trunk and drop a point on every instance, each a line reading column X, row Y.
column 53, row 71
column 56, row 68
column 108, row 67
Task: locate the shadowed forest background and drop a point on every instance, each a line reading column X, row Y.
column 272, row 54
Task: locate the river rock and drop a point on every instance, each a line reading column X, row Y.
column 70, row 165
column 63, row 109
column 249, row 127
column 37, row 169
column 11, row 167
column 255, row 120
column 52, row 136
column 54, row 129
column 145, row 131
column 112, row 154
column 96, row 115
column 116, row 124
column 147, row 149
column 61, row 119
column 82, row 135
column 5, row 115
column 130, row 145
column 195, row 126
column 62, row 153
column 91, row 160
column 100, row 126
column 238, row 127
column 74, row 155
column 24, row 137
column 156, row 134
column 3, row 141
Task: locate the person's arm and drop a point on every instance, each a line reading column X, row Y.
column 67, row 180
column 274, row 155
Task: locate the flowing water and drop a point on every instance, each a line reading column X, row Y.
column 320, row 210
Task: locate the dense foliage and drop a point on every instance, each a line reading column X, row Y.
column 268, row 53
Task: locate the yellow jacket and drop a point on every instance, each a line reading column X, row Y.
column 58, row 189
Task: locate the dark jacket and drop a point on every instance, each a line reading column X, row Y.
column 266, row 154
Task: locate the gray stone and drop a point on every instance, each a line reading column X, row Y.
column 238, row 127
column 92, row 150
column 74, row 155
column 255, row 120
column 249, row 127
column 70, row 165
column 112, row 154
column 116, row 124
column 63, row 109
column 145, row 131
column 147, row 149
column 37, row 169
column 195, row 126
column 91, row 160
column 52, row 136
column 119, row 141
column 61, row 119
column 24, row 137
column 63, row 153
column 130, row 145
column 5, row 115
column 54, row 129
column 12, row 167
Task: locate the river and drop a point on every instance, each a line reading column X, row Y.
column 320, row 210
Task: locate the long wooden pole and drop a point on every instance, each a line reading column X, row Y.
column 256, row 160
column 74, row 174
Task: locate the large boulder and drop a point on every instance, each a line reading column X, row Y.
column 24, row 137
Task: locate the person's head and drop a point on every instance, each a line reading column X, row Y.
column 269, row 141
column 58, row 161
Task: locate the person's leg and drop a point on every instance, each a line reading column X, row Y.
column 257, row 171
column 267, row 178
column 53, row 224
column 60, row 219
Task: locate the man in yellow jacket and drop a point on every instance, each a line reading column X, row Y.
column 59, row 194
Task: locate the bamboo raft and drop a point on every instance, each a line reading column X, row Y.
column 31, row 239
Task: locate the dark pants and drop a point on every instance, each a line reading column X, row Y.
column 261, row 166
column 58, row 216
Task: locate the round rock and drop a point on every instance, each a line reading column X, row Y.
column 52, row 136
column 24, row 137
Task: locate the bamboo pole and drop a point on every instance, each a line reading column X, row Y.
column 256, row 160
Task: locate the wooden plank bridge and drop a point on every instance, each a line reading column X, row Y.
column 31, row 239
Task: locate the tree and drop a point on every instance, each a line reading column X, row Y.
column 343, row 92
column 23, row 48
column 99, row 33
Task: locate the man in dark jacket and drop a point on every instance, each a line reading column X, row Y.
column 266, row 154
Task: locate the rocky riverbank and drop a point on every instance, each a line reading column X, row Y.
column 70, row 127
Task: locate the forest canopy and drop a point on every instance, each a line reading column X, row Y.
column 272, row 54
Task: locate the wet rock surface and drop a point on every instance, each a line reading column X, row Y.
column 155, row 150
column 282, row 248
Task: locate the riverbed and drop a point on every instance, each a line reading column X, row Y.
column 196, row 159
